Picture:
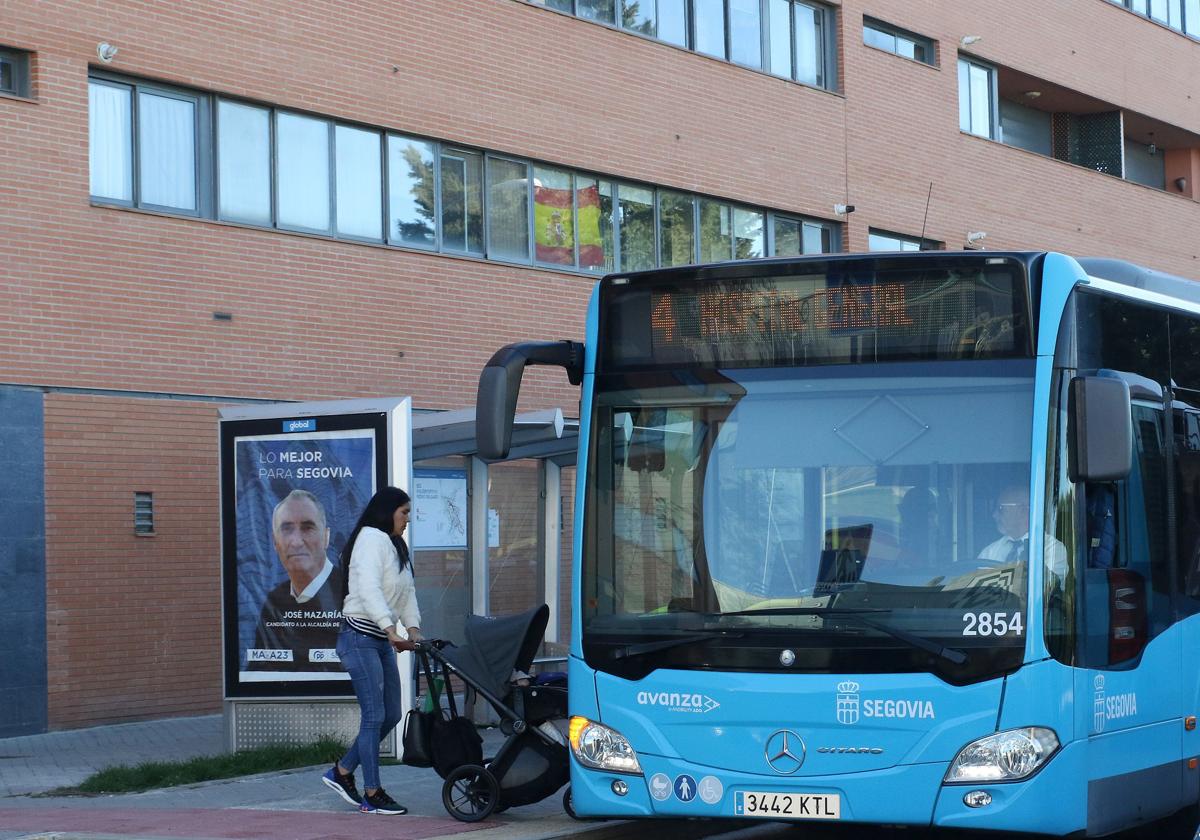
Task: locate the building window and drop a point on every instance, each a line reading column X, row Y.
column 662, row 19
column 746, row 32
column 110, row 136
column 798, row 38
column 880, row 240
column 167, row 124
column 789, row 38
column 412, row 176
column 302, row 172
column 14, row 72
column 553, row 216
column 244, row 163
column 1027, row 128
column 636, row 227
column 676, row 229
column 152, row 146
column 359, row 161
column 1145, row 164
column 167, row 150
column 508, row 209
column 601, row 10
column 794, row 238
column 977, row 98
column 462, row 201
column 1180, row 15
column 895, row 40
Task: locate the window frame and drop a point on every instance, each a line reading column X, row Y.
column 216, row 142
column 384, row 214
column 435, row 151
column 198, row 136
column 970, row 62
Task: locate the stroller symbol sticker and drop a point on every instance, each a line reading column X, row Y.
column 711, row 790
column 660, row 786
column 685, row 788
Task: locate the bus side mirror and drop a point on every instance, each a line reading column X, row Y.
column 500, row 383
column 1099, row 429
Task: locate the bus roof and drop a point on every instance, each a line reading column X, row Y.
column 1140, row 277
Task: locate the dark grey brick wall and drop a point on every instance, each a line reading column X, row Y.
column 22, row 564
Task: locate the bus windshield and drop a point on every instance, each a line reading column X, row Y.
column 834, row 518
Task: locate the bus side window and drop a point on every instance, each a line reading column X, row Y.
column 1101, row 526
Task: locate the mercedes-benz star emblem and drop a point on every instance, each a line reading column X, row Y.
column 784, row 752
column 787, row 658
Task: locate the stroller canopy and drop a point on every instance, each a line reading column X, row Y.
column 496, row 646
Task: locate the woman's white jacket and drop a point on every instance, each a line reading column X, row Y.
column 377, row 590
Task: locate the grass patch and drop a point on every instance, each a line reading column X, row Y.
column 160, row 774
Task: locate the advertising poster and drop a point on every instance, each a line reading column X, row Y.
column 296, row 498
column 439, row 509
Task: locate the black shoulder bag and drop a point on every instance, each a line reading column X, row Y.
column 418, row 725
column 456, row 741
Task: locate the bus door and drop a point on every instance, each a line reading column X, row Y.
column 1128, row 695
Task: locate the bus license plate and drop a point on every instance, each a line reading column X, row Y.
column 794, row 806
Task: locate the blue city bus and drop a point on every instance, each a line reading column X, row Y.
column 905, row 539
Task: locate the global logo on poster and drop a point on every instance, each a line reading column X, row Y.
column 847, row 702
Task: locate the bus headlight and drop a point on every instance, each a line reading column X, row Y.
column 1004, row 757
column 597, row 746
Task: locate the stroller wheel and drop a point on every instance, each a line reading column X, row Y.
column 470, row 793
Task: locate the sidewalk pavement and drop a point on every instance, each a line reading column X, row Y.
column 290, row 804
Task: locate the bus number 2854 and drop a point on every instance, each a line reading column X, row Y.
column 992, row 624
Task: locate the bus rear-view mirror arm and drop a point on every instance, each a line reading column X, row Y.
column 500, row 383
column 1099, row 429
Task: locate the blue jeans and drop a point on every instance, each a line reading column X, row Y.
column 371, row 663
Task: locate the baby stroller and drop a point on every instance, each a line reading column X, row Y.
column 532, row 763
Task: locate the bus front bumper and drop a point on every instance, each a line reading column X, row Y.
column 1050, row 802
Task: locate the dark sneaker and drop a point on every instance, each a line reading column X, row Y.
column 343, row 786
column 380, row 803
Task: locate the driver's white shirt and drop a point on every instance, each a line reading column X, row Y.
column 1055, row 553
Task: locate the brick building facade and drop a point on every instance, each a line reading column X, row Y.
column 138, row 300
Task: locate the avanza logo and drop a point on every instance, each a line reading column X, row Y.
column 676, row 701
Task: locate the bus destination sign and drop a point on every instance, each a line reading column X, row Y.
column 747, row 313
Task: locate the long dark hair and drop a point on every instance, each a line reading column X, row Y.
column 378, row 514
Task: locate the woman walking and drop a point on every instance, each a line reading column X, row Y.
column 380, row 616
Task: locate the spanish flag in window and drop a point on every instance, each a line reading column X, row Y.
column 554, row 222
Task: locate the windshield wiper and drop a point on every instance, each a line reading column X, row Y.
column 860, row 614
column 666, row 644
